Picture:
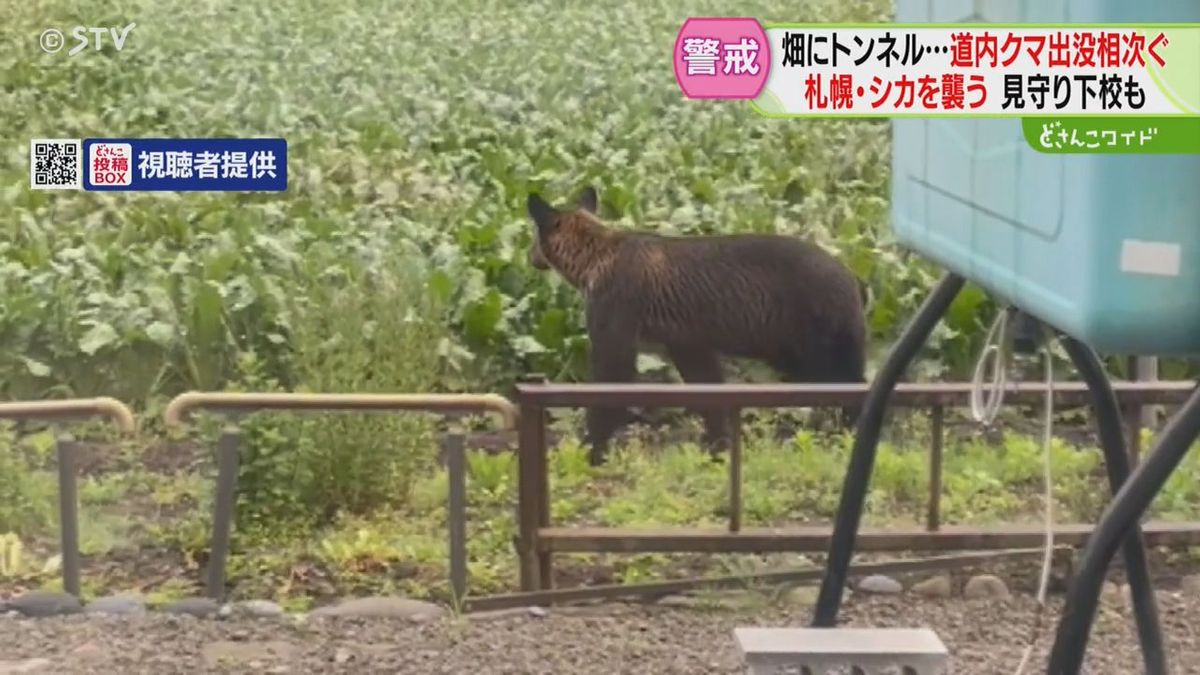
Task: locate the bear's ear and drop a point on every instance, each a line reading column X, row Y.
column 544, row 215
column 589, row 200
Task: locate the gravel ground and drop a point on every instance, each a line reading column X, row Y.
column 984, row 636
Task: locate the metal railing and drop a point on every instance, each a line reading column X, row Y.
column 537, row 540
column 182, row 406
column 68, row 491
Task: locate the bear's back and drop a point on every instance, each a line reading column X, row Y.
column 743, row 294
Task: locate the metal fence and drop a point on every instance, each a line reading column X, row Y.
column 68, row 492
column 538, row 540
column 182, row 406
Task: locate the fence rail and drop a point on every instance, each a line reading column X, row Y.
column 71, row 408
column 182, row 406
column 538, row 540
column 68, row 490
column 909, row 395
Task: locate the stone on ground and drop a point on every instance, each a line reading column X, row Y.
column 985, row 587
column 880, row 585
column 803, row 595
column 934, row 587
column 255, row 608
column 198, row 607
column 44, row 603
column 382, row 606
column 116, row 604
column 1110, row 593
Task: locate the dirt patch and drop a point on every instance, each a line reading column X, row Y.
column 984, row 638
column 165, row 457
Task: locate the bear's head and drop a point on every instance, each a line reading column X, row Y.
column 561, row 234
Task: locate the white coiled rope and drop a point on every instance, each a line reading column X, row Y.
column 985, row 408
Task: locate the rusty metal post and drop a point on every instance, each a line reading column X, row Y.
column 1142, row 369
column 68, row 515
column 529, row 419
column 735, row 469
column 532, row 437
column 933, row 518
column 1132, row 417
column 542, row 472
column 457, row 513
column 1133, row 432
column 1146, row 369
column 223, row 511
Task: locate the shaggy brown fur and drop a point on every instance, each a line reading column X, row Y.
column 774, row 298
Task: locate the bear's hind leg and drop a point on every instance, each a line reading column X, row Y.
column 794, row 368
column 699, row 366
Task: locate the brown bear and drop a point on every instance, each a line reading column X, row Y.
column 774, row 298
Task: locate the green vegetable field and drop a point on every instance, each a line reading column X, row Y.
column 414, row 136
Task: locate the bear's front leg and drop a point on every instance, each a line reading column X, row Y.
column 613, row 359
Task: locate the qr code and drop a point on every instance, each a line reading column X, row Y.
column 54, row 164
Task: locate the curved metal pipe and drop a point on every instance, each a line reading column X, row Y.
column 182, row 406
column 72, row 407
column 68, row 495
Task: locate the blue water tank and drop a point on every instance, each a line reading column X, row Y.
column 1104, row 247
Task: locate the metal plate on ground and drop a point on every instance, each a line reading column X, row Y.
column 861, row 651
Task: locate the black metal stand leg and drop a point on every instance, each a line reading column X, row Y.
column 866, row 442
column 1131, row 501
column 1107, row 412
